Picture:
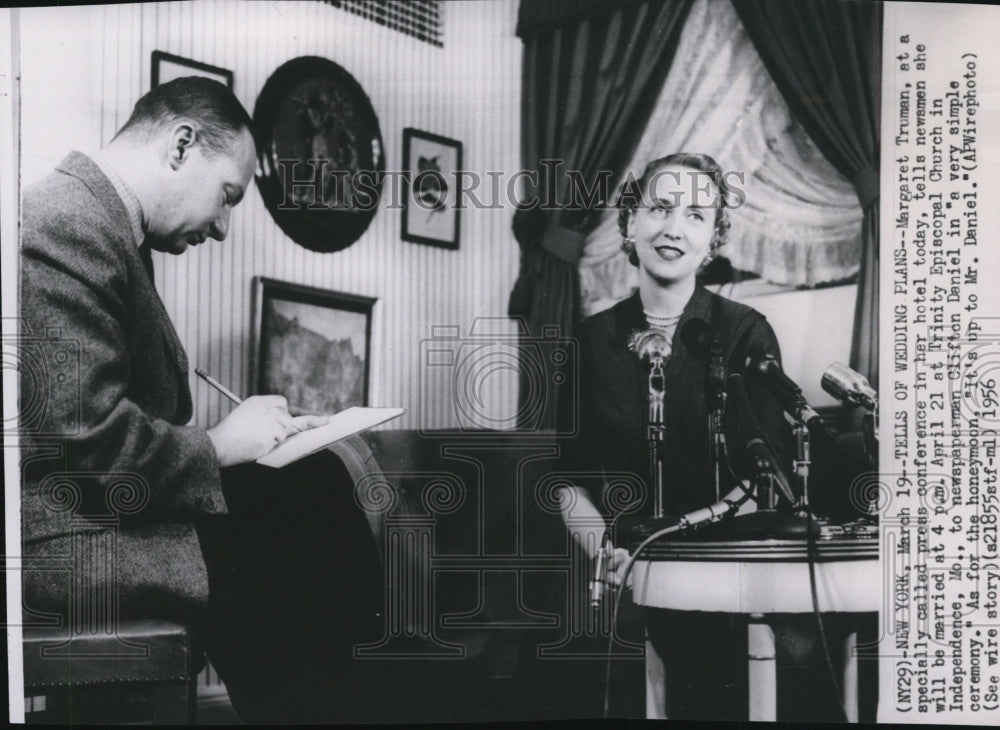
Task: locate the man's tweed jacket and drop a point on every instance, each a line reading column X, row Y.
column 112, row 477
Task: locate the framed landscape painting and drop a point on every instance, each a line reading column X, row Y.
column 311, row 345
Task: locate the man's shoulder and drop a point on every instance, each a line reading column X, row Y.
column 69, row 229
column 63, row 206
column 61, row 191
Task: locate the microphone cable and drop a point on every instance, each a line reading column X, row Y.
column 813, row 555
column 663, row 532
column 618, row 602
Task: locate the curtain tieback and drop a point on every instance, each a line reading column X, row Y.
column 563, row 243
column 866, row 185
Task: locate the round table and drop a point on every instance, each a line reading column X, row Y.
column 758, row 578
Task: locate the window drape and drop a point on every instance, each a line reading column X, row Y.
column 800, row 224
column 587, row 91
column 825, row 57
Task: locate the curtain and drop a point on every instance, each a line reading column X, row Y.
column 825, row 57
column 801, row 222
column 534, row 16
column 588, row 86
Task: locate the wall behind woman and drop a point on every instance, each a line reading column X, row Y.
column 84, row 67
column 813, row 327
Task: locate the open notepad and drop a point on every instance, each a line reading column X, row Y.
column 344, row 424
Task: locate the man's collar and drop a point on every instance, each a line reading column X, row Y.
column 128, row 197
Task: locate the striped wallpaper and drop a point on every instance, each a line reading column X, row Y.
column 468, row 90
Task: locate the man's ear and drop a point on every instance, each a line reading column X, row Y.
column 182, row 139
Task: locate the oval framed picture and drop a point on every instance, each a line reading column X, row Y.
column 320, row 158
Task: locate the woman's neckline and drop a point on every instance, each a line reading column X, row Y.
column 662, row 300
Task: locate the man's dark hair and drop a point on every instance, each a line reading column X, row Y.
column 218, row 114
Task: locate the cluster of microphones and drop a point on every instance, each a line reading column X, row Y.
column 653, row 348
column 848, row 386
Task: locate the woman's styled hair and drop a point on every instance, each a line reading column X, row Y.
column 632, row 196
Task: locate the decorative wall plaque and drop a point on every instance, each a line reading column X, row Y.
column 320, row 160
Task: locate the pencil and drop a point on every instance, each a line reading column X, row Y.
column 217, row 385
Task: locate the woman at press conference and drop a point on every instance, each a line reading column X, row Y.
column 673, row 220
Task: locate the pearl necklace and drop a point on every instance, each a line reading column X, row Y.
column 662, row 323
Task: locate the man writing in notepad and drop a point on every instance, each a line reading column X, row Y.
column 197, row 542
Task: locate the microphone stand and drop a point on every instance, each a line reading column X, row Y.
column 870, row 426
column 802, row 462
column 804, row 416
column 718, row 449
column 655, row 432
column 763, row 489
column 717, row 395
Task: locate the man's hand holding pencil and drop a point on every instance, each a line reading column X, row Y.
column 255, row 426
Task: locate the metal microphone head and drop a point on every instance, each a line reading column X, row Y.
column 849, row 386
column 701, row 339
column 760, row 360
column 650, row 345
column 763, row 365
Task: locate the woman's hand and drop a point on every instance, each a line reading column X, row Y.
column 616, row 567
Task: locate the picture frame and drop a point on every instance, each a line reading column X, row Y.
column 430, row 199
column 167, row 66
column 311, row 345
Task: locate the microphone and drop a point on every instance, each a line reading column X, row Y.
column 653, row 349
column 707, row 514
column 651, row 345
column 762, row 364
column 703, row 342
column 600, row 576
column 761, row 455
column 849, row 387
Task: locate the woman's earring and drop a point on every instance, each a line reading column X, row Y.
column 628, row 244
column 714, row 246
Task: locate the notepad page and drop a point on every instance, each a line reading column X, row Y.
column 346, row 423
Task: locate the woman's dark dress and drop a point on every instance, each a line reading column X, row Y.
column 613, row 400
column 605, row 404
